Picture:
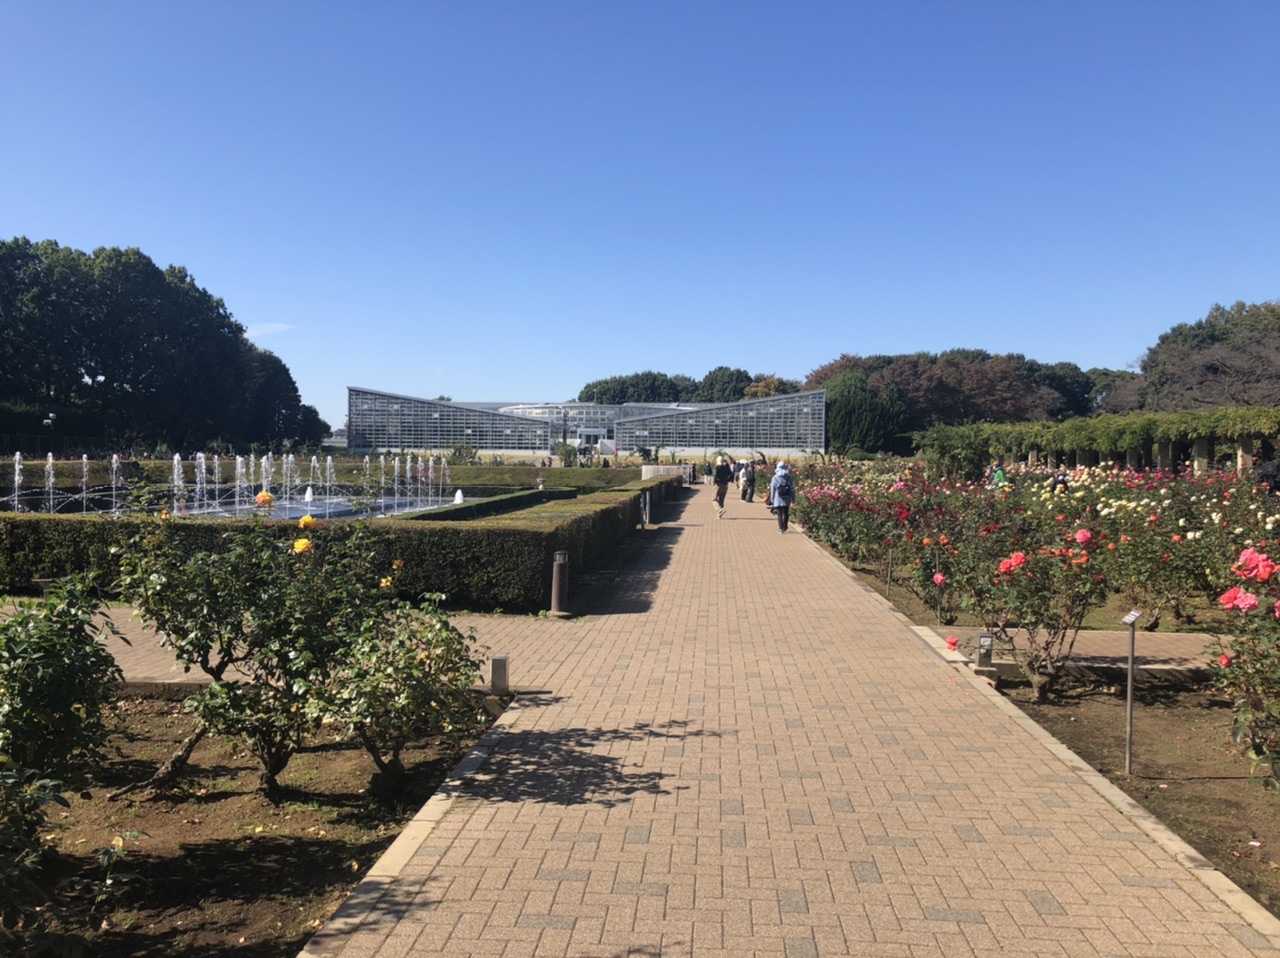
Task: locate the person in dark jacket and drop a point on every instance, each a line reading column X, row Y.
column 782, row 492
column 721, row 477
column 748, row 481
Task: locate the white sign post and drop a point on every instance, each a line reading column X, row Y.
column 1131, row 620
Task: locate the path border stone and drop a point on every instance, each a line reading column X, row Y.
column 1231, row 894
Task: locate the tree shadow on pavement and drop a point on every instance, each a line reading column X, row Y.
column 576, row 766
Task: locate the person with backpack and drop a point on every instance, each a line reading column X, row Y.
column 782, row 492
column 748, row 481
column 721, row 477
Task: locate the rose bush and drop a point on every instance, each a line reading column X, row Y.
column 1034, row 557
column 1249, row 671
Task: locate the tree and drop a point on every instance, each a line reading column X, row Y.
column 970, row 385
column 1231, row 357
column 146, row 354
column 861, row 416
column 723, row 385
column 1114, row 390
column 643, row 387
column 768, row 384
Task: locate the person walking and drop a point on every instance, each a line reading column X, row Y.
column 749, row 481
column 721, row 477
column 782, row 492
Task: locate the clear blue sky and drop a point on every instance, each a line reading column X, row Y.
column 503, row 200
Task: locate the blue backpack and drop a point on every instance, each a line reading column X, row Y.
column 785, row 488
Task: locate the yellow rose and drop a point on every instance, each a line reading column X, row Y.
column 306, row 522
column 384, row 582
column 301, row 546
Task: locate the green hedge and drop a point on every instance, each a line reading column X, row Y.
column 494, row 505
column 496, row 562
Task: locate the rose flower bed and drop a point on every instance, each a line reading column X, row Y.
column 1037, row 557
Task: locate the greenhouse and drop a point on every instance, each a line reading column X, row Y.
column 775, row 425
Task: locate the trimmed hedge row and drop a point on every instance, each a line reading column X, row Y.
column 494, row 505
column 496, row 562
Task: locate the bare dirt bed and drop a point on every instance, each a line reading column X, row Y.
column 1187, row 773
column 215, row 868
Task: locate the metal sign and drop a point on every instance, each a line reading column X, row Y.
column 1132, row 617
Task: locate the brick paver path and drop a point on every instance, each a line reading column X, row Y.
column 744, row 752
column 741, row 751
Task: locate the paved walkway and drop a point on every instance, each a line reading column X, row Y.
column 742, row 751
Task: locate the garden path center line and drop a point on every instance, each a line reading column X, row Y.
column 742, row 751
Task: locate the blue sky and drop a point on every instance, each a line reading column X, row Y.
column 503, row 200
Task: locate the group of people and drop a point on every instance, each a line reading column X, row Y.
column 782, row 489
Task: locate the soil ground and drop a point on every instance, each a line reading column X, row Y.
column 1205, row 618
column 214, row 868
column 1186, row 772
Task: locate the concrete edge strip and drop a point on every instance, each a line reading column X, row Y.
column 1231, row 894
column 332, row 937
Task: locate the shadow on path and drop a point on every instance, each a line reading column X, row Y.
column 629, row 585
column 576, row 766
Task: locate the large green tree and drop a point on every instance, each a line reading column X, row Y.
column 144, row 353
column 1231, row 357
column 862, row 417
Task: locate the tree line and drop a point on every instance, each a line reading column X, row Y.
column 110, row 340
column 877, row 403
column 721, row 385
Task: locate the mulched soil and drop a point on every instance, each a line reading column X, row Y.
column 215, row 868
column 1186, row 772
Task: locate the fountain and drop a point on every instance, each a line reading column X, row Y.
column 242, row 482
column 431, row 476
column 368, row 480
column 266, row 472
column 382, row 480
column 115, row 484
column 329, row 483
column 395, row 487
column 306, row 500
column 202, row 485
column 84, row 484
column 217, row 483
column 457, row 498
column 314, row 478
column 252, row 481
column 179, row 485
column 48, row 479
column 17, row 482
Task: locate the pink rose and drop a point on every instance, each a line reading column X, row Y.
column 1083, row 537
column 939, row 579
column 1238, row 598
